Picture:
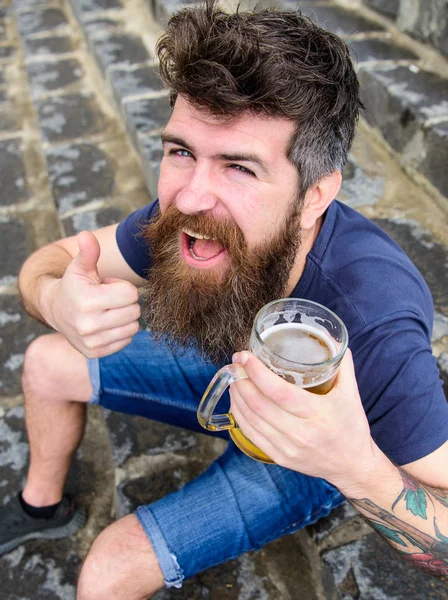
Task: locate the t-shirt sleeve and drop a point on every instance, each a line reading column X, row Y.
column 401, row 388
column 131, row 243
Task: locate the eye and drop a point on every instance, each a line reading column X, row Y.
column 179, row 152
column 244, row 170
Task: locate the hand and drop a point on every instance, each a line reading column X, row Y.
column 324, row 436
column 97, row 317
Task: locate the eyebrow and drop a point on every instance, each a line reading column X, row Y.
column 243, row 157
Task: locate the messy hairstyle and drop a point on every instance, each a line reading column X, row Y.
column 268, row 62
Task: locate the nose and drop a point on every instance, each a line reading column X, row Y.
column 197, row 195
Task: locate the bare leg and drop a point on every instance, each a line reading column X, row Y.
column 56, row 385
column 121, row 565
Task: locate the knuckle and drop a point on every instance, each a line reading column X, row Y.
column 90, row 344
column 83, row 327
column 135, row 327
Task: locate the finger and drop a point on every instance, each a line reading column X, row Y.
column 286, row 395
column 269, row 441
column 110, row 319
column 264, row 415
column 86, row 261
column 111, row 336
column 118, row 294
column 345, row 377
column 116, row 317
column 111, row 348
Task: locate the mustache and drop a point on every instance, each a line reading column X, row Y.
column 172, row 221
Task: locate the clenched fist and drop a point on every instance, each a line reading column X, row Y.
column 97, row 317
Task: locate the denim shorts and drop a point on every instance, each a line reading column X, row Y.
column 237, row 504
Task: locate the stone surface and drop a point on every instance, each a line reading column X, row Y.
column 87, row 6
column 442, row 363
column 374, row 49
column 60, row 44
column 93, row 25
column 370, row 570
column 429, row 256
column 151, row 151
column 358, row 187
column 388, row 7
column 3, row 31
column 40, row 19
column 433, row 163
column 70, row 116
column 17, row 330
column 163, row 9
column 6, row 52
column 119, row 49
column 79, row 173
column 12, row 170
column 48, row 569
column 131, row 82
column 148, row 114
column 53, row 75
column 13, row 234
column 152, row 459
column 132, row 436
column 399, row 101
column 426, row 20
column 9, row 118
column 94, row 219
column 337, row 19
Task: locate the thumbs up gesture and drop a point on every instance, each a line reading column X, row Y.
column 98, row 317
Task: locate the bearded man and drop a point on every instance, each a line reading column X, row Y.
column 264, row 108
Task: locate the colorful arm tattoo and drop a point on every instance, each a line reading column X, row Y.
column 425, row 551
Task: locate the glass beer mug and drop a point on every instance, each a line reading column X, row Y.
column 301, row 341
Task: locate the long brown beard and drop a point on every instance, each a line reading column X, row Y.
column 211, row 311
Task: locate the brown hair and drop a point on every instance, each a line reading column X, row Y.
column 270, row 62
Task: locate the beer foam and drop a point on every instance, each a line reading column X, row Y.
column 299, row 343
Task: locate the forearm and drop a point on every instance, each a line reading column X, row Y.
column 412, row 517
column 37, row 277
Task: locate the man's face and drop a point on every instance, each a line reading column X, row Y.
column 228, row 233
column 234, row 172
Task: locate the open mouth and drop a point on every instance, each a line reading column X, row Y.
column 201, row 247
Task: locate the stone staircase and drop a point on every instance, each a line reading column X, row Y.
column 81, row 111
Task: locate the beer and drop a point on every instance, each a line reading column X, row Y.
column 298, row 354
column 300, row 340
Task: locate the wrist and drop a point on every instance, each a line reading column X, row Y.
column 371, row 476
column 48, row 289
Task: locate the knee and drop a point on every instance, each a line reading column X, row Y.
column 120, row 565
column 41, row 370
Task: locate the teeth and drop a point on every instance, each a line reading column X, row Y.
column 198, row 236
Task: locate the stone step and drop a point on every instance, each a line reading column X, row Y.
column 404, row 100
column 91, row 171
column 87, row 175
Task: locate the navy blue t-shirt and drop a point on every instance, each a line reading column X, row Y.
column 362, row 275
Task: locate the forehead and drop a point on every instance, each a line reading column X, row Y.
column 266, row 135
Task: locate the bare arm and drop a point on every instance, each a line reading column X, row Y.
column 82, row 287
column 410, row 515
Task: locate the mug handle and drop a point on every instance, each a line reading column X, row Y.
column 216, row 388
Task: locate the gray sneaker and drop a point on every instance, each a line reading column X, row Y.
column 16, row 526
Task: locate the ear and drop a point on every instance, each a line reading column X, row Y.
column 318, row 198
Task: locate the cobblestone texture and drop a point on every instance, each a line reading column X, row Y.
column 86, row 175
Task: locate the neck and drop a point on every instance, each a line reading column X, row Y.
column 307, row 242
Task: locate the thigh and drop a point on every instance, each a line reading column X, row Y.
column 148, row 379
column 235, row 506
